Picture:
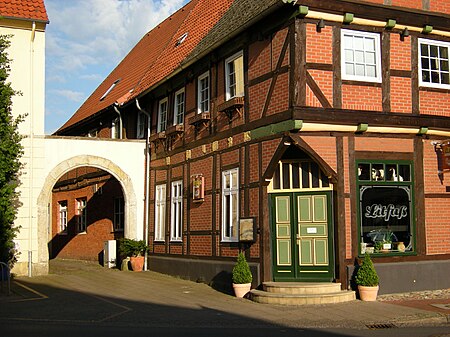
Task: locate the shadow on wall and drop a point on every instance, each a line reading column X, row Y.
column 86, row 245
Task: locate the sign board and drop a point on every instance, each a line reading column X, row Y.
column 247, row 232
column 445, row 156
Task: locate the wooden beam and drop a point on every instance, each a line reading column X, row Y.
column 317, row 91
column 385, row 71
column 337, row 76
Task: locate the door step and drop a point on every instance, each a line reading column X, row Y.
column 301, row 293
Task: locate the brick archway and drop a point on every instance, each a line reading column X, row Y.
column 44, row 199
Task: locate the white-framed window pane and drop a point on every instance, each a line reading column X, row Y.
column 234, row 75
column 162, row 115
column 203, row 93
column 140, row 125
column 119, row 214
column 179, row 107
column 81, row 214
column 160, row 212
column 434, row 63
column 115, row 128
column 176, row 211
column 63, row 216
column 230, row 205
column 361, row 56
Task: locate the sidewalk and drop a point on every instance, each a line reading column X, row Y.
column 77, row 291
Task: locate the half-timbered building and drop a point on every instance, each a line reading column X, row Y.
column 304, row 133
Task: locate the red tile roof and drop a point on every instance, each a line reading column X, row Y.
column 24, row 9
column 155, row 57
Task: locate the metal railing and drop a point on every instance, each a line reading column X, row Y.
column 5, row 277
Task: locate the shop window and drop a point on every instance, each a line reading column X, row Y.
column 230, row 205
column 160, row 212
column 119, row 214
column 63, row 217
column 81, row 215
column 176, row 224
column 385, row 196
column 434, row 64
column 361, row 56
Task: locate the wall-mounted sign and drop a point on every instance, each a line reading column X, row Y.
column 198, row 187
column 247, row 230
column 445, row 155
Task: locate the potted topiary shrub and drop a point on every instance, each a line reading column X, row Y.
column 367, row 280
column 242, row 276
column 135, row 250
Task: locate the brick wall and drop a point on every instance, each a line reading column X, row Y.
column 100, row 213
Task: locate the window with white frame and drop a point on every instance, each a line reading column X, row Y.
column 230, row 205
column 140, row 125
column 160, row 212
column 434, row 63
column 63, row 216
column 176, row 218
column 203, row 93
column 81, row 214
column 162, row 115
column 115, row 129
column 234, row 76
column 119, row 214
column 360, row 56
column 179, row 107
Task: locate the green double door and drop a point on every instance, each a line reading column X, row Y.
column 302, row 230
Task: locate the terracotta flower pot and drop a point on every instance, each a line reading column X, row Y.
column 241, row 289
column 368, row 293
column 137, row 263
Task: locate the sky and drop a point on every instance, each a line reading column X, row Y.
column 85, row 41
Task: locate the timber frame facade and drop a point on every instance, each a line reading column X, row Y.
column 304, row 133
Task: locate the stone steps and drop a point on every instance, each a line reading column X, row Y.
column 301, row 293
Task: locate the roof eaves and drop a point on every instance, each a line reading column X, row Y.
column 273, row 5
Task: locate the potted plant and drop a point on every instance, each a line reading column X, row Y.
column 135, row 250
column 367, row 280
column 242, row 276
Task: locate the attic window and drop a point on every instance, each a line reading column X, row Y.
column 181, row 39
column 109, row 90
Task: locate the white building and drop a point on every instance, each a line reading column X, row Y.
column 26, row 22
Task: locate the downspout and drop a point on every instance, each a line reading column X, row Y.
column 31, row 158
column 147, row 181
column 120, row 119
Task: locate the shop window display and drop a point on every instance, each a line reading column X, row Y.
column 385, row 197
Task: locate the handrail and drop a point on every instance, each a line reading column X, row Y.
column 3, row 265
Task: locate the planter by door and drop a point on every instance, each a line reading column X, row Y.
column 137, row 263
column 368, row 293
column 241, row 289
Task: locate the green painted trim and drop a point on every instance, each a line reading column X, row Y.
column 348, row 18
column 303, row 10
column 362, row 127
column 293, row 124
column 390, row 23
column 427, row 29
column 261, row 132
column 423, row 130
